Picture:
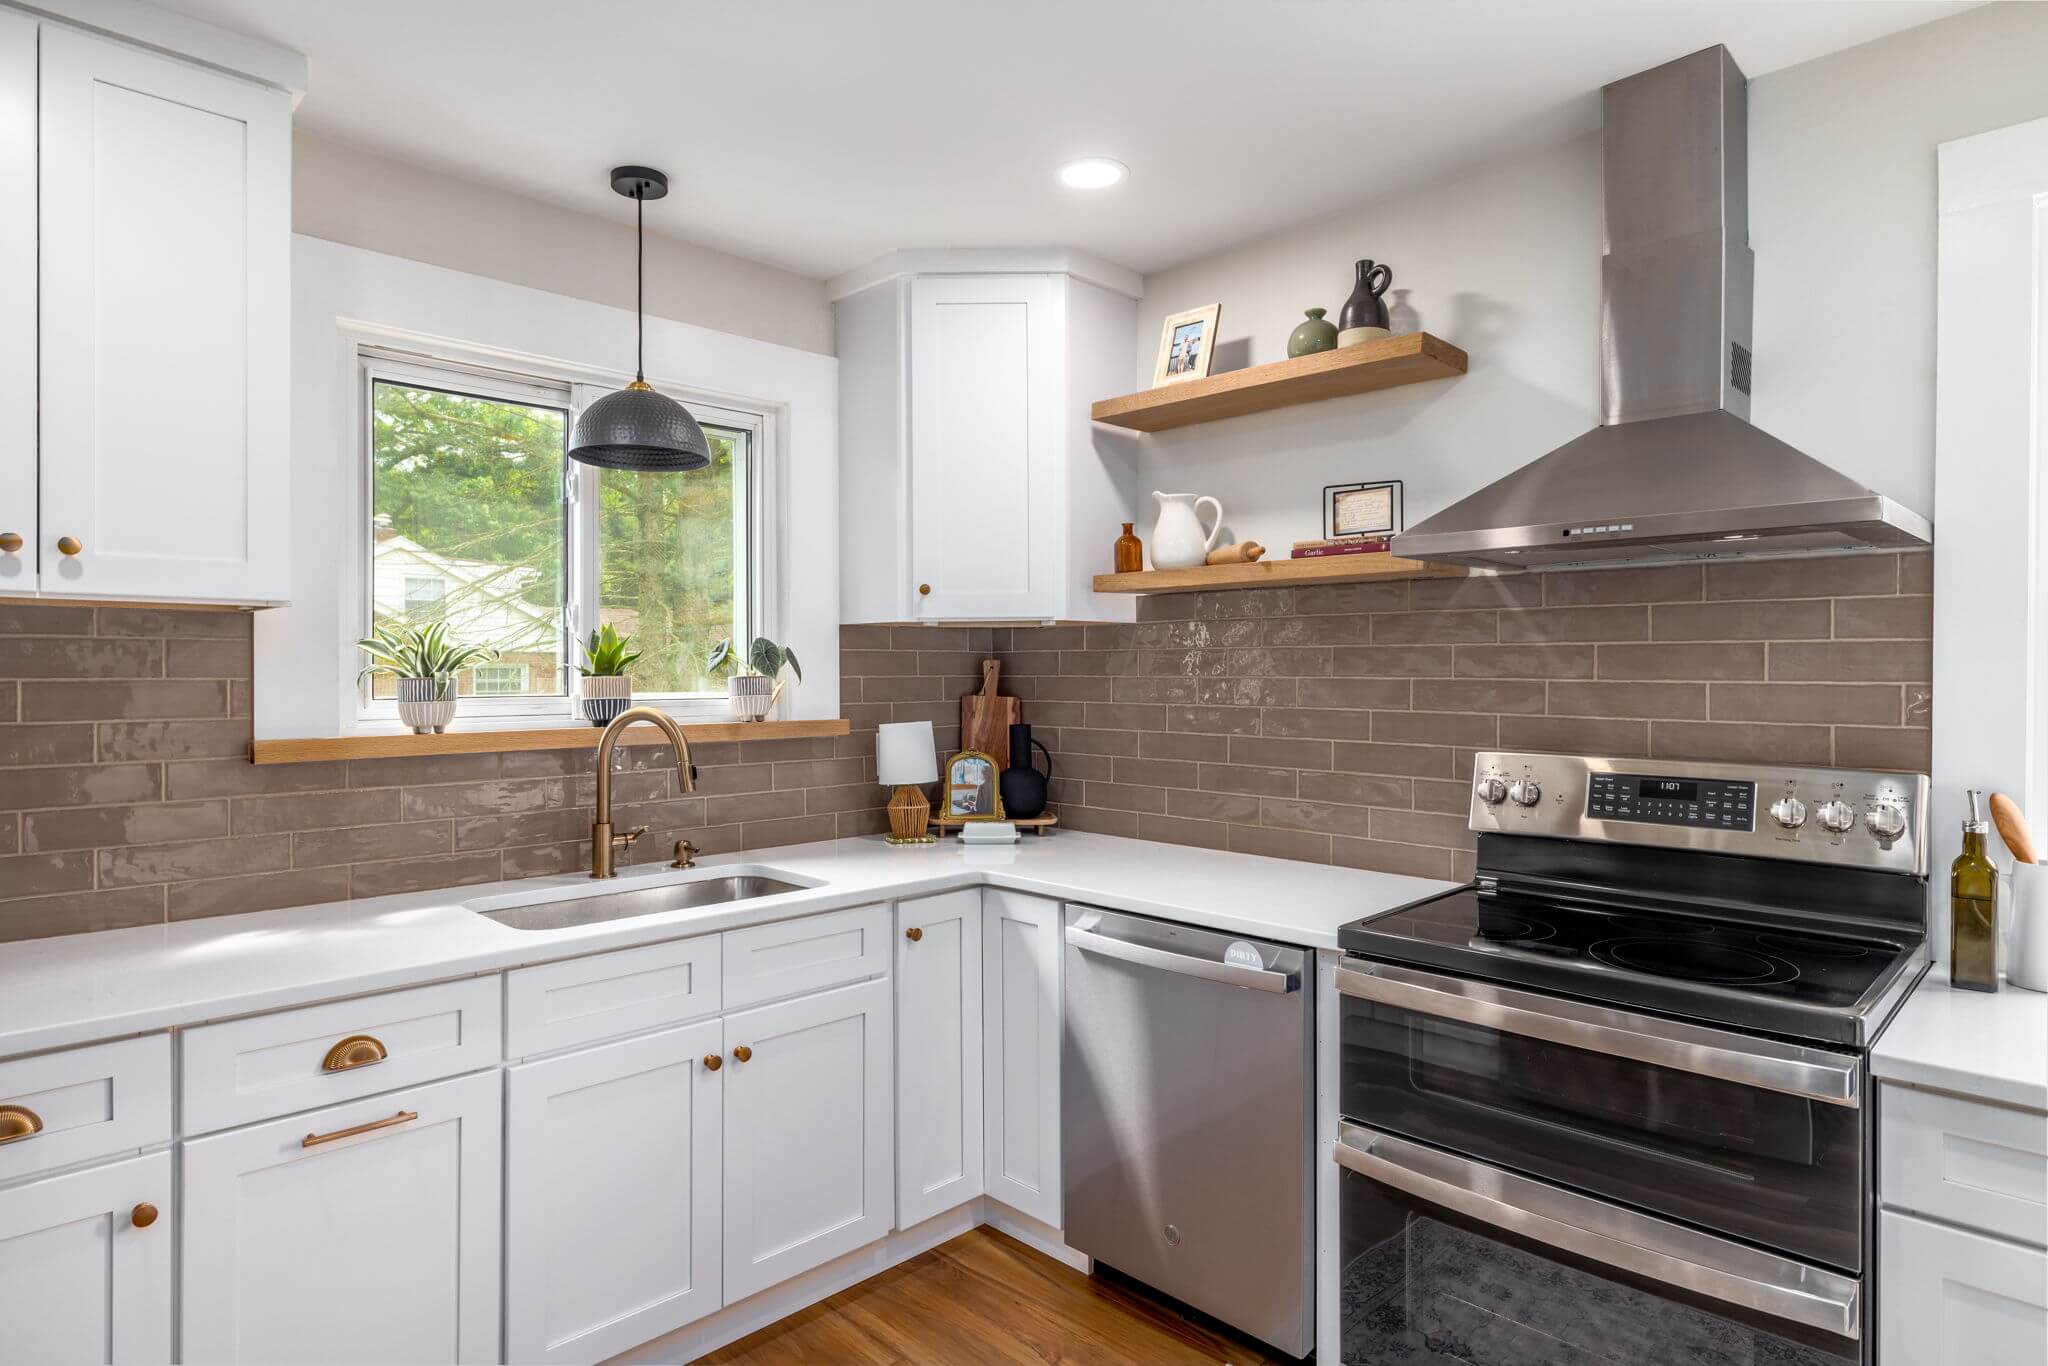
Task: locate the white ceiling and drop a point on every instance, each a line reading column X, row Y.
column 817, row 136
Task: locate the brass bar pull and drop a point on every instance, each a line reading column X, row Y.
column 402, row 1117
column 913, row 934
column 18, row 1122
column 742, row 1053
column 357, row 1050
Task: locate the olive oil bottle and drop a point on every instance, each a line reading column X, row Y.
column 1973, row 911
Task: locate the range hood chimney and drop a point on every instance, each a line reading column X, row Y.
column 1675, row 471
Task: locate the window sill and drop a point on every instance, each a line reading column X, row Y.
column 580, row 735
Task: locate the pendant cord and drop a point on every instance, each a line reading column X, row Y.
column 640, row 286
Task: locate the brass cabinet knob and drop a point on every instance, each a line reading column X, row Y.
column 913, row 934
column 70, row 545
column 924, row 590
column 18, row 1122
column 742, row 1053
column 143, row 1215
column 712, row 1062
column 10, row 541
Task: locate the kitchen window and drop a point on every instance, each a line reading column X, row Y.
column 478, row 519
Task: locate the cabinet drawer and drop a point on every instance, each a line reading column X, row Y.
column 560, row 1005
column 89, row 1102
column 1950, row 1297
column 1982, row 1166
column 267, row 1065
column 791, row 957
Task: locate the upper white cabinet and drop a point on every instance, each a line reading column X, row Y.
column 85, row 1266
column 938, row 1054
column 18, row 536
column 974, row 486
column 1021, row 960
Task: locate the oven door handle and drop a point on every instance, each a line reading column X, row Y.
column 1809, row 1073
column 1669, row 1254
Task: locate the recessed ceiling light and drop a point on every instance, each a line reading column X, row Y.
column 1093, row 173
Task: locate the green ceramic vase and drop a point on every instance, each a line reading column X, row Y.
column 1317, row 334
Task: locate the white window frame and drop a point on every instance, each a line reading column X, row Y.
column 450, row 366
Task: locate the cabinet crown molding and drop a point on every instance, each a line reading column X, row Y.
column 987, row 261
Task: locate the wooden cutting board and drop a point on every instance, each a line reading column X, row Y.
column 986, row 718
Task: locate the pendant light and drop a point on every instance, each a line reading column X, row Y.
column 636, row 428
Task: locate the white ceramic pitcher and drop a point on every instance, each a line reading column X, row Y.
column 1178, row 541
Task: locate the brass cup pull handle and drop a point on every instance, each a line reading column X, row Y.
column 742, row 1054
column 712, row 1062
column 70, row 545
column 357, row 1050
column 10, row 541
column 913, row 934
column 143, row 1215
column 18, row 1122
column 402, row 1117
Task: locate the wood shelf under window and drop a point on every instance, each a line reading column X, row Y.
column 507, row 741
column 1407, row 359
column 1277, row 574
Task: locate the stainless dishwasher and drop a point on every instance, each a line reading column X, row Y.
column 1185, row 1117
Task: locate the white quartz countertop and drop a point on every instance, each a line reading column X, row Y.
column 76, row 988
column 1988, row 1044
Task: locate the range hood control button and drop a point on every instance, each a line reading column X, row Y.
column 1526, row 792
column 1492, row 791
column 1789, row 812
column 1837, row 817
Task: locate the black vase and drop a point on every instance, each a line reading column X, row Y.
column 1023, row 786
column 1365, row 308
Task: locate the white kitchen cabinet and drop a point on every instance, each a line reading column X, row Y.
column 80, row 1280
column 165, row 278
column 17, row 303
column 975, row 487
column 1021, row 960
column 612, row 1199
column 364, row 1232
column 809, row 1142
column 1954, row 1297
column 938, row 1054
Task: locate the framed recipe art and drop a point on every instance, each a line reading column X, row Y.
column 1362, row 509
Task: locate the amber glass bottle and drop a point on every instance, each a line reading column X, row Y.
column 1130, row 552
column 1973, row 911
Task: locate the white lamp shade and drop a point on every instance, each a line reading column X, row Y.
column 905, row 752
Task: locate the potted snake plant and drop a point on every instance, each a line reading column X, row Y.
column 606, row 689
column 425, row 663
column 753, row 683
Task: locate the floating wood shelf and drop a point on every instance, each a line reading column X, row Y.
column 506, row 741
column 1277, row 574
column 1408, row 359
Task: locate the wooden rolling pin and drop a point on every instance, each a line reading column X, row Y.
column 2012, row 827
column 1240, row 552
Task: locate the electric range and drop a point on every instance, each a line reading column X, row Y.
column 1612, row 1099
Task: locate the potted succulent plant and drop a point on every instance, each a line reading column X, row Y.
column 425, row 663
column 606, row 688
column 754, row 683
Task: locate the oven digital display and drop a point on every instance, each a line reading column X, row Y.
column 1704, row 803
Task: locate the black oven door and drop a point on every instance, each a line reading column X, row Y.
column 1754, row 1138
column 1444, row 1258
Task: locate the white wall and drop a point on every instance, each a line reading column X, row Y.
column 346, row 194
column 302, row 654
column 1505, row 262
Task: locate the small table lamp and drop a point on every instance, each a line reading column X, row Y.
column 906, row 756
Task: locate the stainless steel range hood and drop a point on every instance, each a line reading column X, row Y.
column 1676, row 471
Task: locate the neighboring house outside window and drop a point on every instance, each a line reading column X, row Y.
column 425, row 596
column 493, row 680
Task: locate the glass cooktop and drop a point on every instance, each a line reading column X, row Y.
column 1753, row 975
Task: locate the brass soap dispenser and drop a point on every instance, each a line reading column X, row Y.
column 1973, row 910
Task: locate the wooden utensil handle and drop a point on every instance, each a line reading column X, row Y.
column 2012, row 828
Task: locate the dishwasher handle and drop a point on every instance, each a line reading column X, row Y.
column 1258, row 979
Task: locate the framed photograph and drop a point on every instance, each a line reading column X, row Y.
column 1362, row 509
column 972, row 793
column 1185, row 345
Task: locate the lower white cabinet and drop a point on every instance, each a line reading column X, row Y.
column 612, row 1167
column 85, row 1266
column 1951, row 1297
column 1021, row 960
column 365, row 1232
column 809, row 1142
column 938, row 1054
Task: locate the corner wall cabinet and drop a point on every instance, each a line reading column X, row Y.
column 147, row 201
column 974, row 485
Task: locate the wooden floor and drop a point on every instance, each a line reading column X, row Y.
column 986, row 1298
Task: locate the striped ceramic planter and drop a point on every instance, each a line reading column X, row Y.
column 605, row 696
column 427, row 704
column 752, row 696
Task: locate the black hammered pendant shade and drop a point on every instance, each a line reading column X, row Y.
column 637, row 428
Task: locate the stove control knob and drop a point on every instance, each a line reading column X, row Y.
column 1789, row 812
column 1492, row 791
column 1525, row 792
column 1887, row 821
column 1837, row 817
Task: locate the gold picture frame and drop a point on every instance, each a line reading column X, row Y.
column 1187, row 343
column 973, row 789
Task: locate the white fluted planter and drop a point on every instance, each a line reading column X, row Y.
column 604, row 697
column 752, row 696
column 427, row 704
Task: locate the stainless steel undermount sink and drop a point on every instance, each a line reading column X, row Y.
column 637, row 901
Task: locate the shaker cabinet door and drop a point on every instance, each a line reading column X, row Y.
column 1949, row 1297
column 18, row 539
column 85, row 1266
column 165, row 211
column 1021, row 958
column 987, row 481
column 938, row 1054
